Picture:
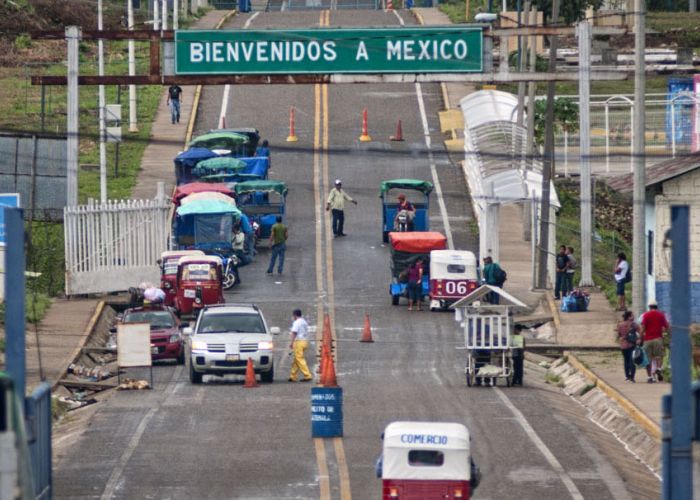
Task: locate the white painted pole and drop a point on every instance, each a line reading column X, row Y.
column 584, row 92
column 101, row 104
column 164, row 17
column 607, row 138
column 156, row 15
column 673, row 128
column 176, row 14
column 133, row 125
column 73, row 36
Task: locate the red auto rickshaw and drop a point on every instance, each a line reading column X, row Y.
column 168, row 272
column 199, row 283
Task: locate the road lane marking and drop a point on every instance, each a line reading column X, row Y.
column 323, row 479
column 318, row 200
column 433, row 170
column 224, row 105
column 343, row 471
column 115, row 476
column 548, row 455
column 250, row 20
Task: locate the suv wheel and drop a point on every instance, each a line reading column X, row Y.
column 195, row 378
column 268, row 376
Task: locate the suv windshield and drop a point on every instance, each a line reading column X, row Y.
column 157, row 319
column 231, row 323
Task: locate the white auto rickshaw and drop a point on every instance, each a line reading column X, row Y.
column 453, row 276
column 426, row 460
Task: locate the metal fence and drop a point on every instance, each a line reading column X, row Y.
column 113, row 246
column 669, row 132
column 38, row 418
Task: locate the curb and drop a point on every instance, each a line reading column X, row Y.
column 555, row 313
column 630, row 408
column 198, row 89
column 87, row 333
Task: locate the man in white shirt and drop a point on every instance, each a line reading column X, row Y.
column 299, row 343
column 336, row 204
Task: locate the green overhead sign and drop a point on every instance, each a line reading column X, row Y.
column 441, row 49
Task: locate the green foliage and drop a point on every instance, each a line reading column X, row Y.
column 565, row 117
column 570, row 11
column 23, row 41
column 541, row 64
column 455, row 9
column 2, row 344
column 681, row 28
column 35, row 308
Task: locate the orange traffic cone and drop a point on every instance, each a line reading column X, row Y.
column 399, row 133
column 330, row 379
column 367, row 331
column 292, row 137
column 327, row 336
column 364, row 136
column 250, row 381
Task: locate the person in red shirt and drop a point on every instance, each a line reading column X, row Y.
column 654, row 325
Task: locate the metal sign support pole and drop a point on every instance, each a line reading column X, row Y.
column 15, row 357
column 584, row 91
column 73, row 36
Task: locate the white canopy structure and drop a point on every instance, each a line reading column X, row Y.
column 497, row 165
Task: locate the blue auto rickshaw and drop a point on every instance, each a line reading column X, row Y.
column 417, row 193
column 222, row 142
column 204, row 221
column 186, row 161
column 219, row 165
column 262, row 201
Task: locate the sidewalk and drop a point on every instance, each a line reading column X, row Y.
column 596, row 327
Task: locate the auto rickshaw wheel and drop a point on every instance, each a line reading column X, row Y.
column 230, row 280
column 195, row 378
column 394, row 300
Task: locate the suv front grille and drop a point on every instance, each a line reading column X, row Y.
column 248, row 347
column 216, row 348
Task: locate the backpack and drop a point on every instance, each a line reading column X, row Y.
column 628, row 276
column 631, row 336
column 500, row 276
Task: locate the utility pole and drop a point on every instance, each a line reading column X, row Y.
column 156, row 15
column 680, row 481
column 164, row 16
column 548, row 164
column 101, row 104
column 531, row 87
column 176, row 14
column 73, row 36
column 692, row 5
column 584, row 91
column 133, row 125
column 639, row 152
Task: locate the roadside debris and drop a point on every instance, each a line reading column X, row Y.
column 131, row 384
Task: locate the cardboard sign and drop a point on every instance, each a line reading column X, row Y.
column 134, row 344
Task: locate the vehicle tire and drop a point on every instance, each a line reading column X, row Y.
column 385, row 236
column 195, row 378
column 268, row 376
column 181, row 357
column 394, row 300
column 230, row 280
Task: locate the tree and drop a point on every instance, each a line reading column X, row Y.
column 570, row 11
column 565, row 117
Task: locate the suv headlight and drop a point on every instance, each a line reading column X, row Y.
column 175, row 337
column 199, row 345
column 265, row 345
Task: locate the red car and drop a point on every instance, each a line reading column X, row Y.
column 166, row 339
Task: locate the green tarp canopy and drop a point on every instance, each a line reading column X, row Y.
column 219, row 140
column 424, row 187
column 261, row 185
column 221, row 163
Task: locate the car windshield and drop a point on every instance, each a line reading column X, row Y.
column 199, row 272
column 231, row 323
column 157, row 319
column 456, row 268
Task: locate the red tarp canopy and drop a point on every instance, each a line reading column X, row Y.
column 200, row 187
column 417, row 241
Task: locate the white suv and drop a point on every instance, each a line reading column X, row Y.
column 225, row 336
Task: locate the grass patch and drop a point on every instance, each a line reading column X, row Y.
column 681, row 28
column 35, row 307
column 551, row 378
column 456, row 9
column 655, row 84
column 58, row 409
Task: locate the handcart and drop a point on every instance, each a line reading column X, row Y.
column 488, row 331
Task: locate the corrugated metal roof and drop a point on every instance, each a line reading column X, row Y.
column 661, row 172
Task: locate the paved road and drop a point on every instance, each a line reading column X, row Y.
column 219, row 440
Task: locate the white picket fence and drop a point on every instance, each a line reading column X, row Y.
column 113, row 246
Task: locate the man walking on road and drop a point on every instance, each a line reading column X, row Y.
column 336, row 204
column 278, row 243
column 654, row 325
column 174, row 96
column 299, row 344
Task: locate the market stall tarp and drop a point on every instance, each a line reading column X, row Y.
column 199, row 187
column 210, row 195
column 256, row 165
column 211, row 206
column 417, row 241
column 192, row 156
column 220, row 164
column 261, row 185
column 220, row 140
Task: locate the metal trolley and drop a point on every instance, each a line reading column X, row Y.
column 487, row 335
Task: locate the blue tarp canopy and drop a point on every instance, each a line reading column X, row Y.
column 256, row 165
column 192, row 156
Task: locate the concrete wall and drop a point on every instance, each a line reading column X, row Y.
column 683, row 190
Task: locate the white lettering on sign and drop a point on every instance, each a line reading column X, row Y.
column 263, row 51
column 329, row 53
column 423, row 439
column 314, row 51
column 427, row 50
column 362, row 52
column 196, row 52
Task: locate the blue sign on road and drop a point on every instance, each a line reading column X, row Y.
column 6, row 200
